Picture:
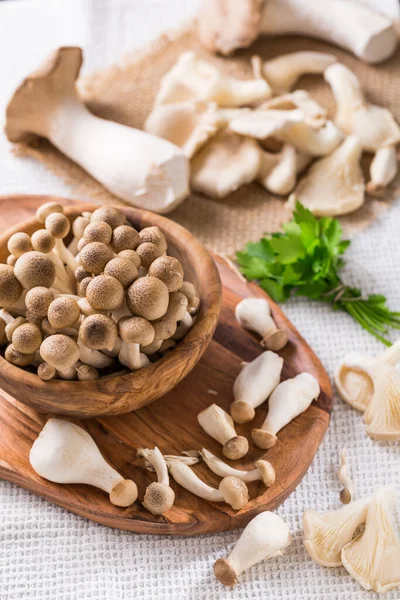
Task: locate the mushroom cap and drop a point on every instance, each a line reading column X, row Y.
column 26, row 338
column 110, row 215
column 84, row 285
column 58, row 225
column 63, row 312
column 60, row 351
column 94, row 257
column 79, row 225
column 122, row 269
column 148, row 252
column 47, row 209
column 136, row 330
column 46, row 371
column 132, row 255
column 81, row 244
column 98, row 231
column 47, row 328
column 43, row 241
column 19, row 243
column 11, row 327
column 263, row 439
column 225, row 573
column 87, row 373
column 38, row 300
column 11, row 260
column 34, row 269
column 169, row 270
column 125, row 237
column 241, row 412
column 81, row 274
column 105, row 293
column 155, row 236
column 158, row 498
column 151, row 348
column 267, row 472
column 165, row 327
column 3, row 336
column 124, row 493
column 10, row 287
column 17, row 358
column 177, row 305
column 148, row 297
column 236, row 448
column 234, row 491
column 98, row 331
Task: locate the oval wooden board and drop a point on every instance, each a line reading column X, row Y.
column 171, row 424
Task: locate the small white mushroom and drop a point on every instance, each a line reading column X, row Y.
column 227, row 162
column 326, row 534
column 287, row 401
column 373, row 558
column 192, row 79
column 266, row 536
column 131, row 357
column 283, row 71
column 341, row 178
column 383, row 170
column 219, row 425
column 231, row 490
column 264, row 471
column 66, row 453
column 254, row 384
column 347, row 493
column 254, row 314
column 159, row 496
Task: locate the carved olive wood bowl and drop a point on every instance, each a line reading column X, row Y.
column 124, row 391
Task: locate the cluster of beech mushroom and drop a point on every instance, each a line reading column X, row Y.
column 208, row 115
column 111, row 297
column 372, row 386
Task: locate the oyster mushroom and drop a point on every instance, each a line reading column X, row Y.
column 159, row 496
column 309, row 140
column 227, row 162
column 347, row 493
column 219, row 425
column 314, row 113
column 66, row 453
column 264, row 471
column 254, row 384
column 287, row 401
column 341, row 178
column 262, row 124
column 278, row 173
column 383, row 170
column 133, row 165
column 255, row 314
column 283, row 71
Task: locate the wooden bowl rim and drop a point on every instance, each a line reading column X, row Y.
column 210, row 305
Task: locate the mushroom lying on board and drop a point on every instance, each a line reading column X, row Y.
column 264, row 471
column 66, row 453
column 134, row 165
column 219, row 425
column 266, row 535
column 159, row 496
column 254, row 314
column 226, row 25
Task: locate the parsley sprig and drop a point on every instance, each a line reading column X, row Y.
column 306, row 260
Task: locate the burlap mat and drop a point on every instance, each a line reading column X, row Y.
column 125, row 93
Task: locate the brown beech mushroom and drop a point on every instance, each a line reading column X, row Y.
column 83, row 286
column 122, row 269
column 19, row 243
column 43, row 241
column 17, row 358
column 136, row 330
column 47, row 209
column 60, row 351
column 12, row 324
column 110, row 215
column 87, row 373
column 11, row 260
column 46, row 371
column 165, row 327
column 3, row 336
column 34, row 269
column 219, row 425
column 148, row 252
column 26, row 338
column 190, row 292
column 169, row 270
column 81, row 274
column 94, row 256
column 155, row 236
column 58, row 225
column 147, row 297
column 105, row 293
column 151, row 348
column 63, row 312
column 10, row 288
column 131, row 255
column 98, row 231
column 98, row 331
column 125, row 237
column 78, row 227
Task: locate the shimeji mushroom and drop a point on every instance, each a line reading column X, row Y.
column 148, row 297
column 154, row 235
column 255, row 314
column 383, row 170
column 10, row 288
column 43, row 241
column 254, row 385
column 225, row 26
column 231, row 490
column 60, row 351
column 266, row 536
column 105, row 292
column 58, row 225
column 66, row 453
column 227, row 162
column 10, row 323
column 169, row 270
column 326, row 534
column 188, row 125
column 151, row 348
column 347, row 493
column 130, row 356
column 78, row 227
column 94, row 256
column 264, row 471
column 134, row 165
column 373, row 558
column 283, row 71
column 98, row 231
column 46, row 371
column 110, row 215
column 122, row 269
column 86, row 373
column 341, row 178
column 18, row 358
column 19, row 243
column 34, row 269
column 165, row 327
column 26, row 338
column 98, row 331
column 185, row 324
column 190, row 292
column 132, row 255
column 192, row 78
column 63, row 312
column 287, row 401
column 159, row 496
column 94, row 358
column 219, row 425
column 125, row 237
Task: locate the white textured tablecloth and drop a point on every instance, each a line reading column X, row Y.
column 48, row 553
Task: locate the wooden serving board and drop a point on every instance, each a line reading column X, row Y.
column 170, row 423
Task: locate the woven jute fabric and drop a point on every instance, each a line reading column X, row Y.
column 125, row 93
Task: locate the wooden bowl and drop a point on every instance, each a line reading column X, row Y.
column 125, row 391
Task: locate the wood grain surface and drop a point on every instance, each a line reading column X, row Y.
column 170, row 423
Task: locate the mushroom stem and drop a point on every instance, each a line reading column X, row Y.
column 66, row 257
column 219, row 425
column 347, row 493
column 131, row 357
column 94, row 358
column 254, row 314
column 264, row 471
